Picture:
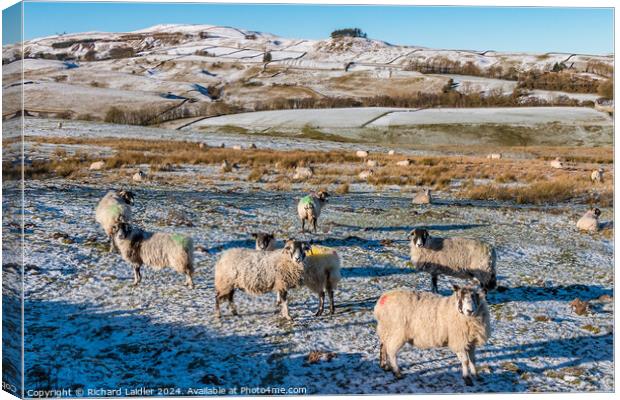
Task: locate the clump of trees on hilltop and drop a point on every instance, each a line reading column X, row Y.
column 349, row 32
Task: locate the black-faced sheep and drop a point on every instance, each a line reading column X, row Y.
column 589, row 221
column 157, row 250
column 460, row 322
column 112, row 208
column 458, row 257
column 309, row 208
column 258, row 272
column 321, row 269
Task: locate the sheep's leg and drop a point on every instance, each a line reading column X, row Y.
column 321, row 301
column 137, row 277
column 391, row 350
column 434, row 283
column 284, row 305
column 231, row 303
column 218, row 313
column 383, row 358
column 188, row 280
column 472, row 361
column 464, row 358
column 303, row 225
column 314, row 224
column 112, row 245
column 330, row 293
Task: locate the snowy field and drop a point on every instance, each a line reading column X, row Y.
column 86, row 327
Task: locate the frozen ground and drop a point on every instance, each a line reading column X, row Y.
column 87, row 328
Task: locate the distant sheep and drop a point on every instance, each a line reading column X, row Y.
column 597, row 175
column 423, row 197
column 391, row 152
column 112, row 209
column 59, row 126
column 557, row 163
column 321, row 269
column 157, row 250
column 303, row 173
column 361, row 153
column 589, row 221
column 97, row 165
column 403, row 163
column 372, row 163
column 458, row 257
column 460, row 322
column 237, row 147
column 366, row 174
column 309, row 208
column 139, row 176
column 258, row 272
column 494, row 156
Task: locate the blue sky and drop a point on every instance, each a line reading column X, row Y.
column 582, row 30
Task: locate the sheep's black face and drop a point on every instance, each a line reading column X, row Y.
column 264, row 241
column 127, row 196
column 597, row 212
column 296, row 250
column 468, row 300
column 323, row 196
column 419, row 237
column 121, row 230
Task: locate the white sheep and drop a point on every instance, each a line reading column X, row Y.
column 403, row 163
column 460, row 322
column 423, row 197
column 156, row 250
column 303, row 172
column 321, row 269
column 372, row 163
column 589, row 220
column 597, row 175
column 557, row 163
column 258, row 272
column 458, row 257
column 139, row 176
column 361, row 153
column 366, row 174
column 494, row 156
column 113, row 208
column 309, row 208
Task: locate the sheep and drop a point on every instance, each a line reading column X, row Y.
column 458, row 257
column 303, row 172
column 372, row 163
column 597, row 175
column 59, row 126
column 391, row 152
column 111, row 209
column 460, row 322
column 156, row 250
column 237, row 147
column 258, row 272
column 423, row 197
column 366, row 174
column 361, row 153
column 403, row 163
column 309, row 208
column 557, row 163
column 139, row 176
column 321, row 269
column 494, row 156
column 589, row 220
column 97, row 165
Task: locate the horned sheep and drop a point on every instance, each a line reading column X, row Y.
column 258, row 272
column 157, row 250
column 460, row 322
column 458, row 257
column 113, row 208
column 597, row 175
column 309, row 208
column 321, row 269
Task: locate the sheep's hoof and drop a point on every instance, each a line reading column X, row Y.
column 398, row 375
column 468, row 381
column 318, row 313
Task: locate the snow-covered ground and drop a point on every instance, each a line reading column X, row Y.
column 87, row 328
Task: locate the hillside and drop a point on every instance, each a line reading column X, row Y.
column 168, row 72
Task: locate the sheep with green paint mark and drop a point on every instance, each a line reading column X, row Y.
column 309, row 208
column 157, row 250
column 112, row 209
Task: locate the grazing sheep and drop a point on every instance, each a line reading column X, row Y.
column 423, row 197
column 113, row 208
column 321, row 269
column 589, row 220
column 309, row 208
column 366, row 174
column 372, row 163
column 202, row 145
column 391, row 152
column 97, row 165
column 157, row 250
column 303, row 172
column 557, row 163
column 460, row 322
column 458, row 257
column 361, row 153
column 253, row 146
column 139, row 176
column 258, row 272
column 237, row 147
column 403, row 163
column 597, row 175
column 59, row 126
column 494, row 156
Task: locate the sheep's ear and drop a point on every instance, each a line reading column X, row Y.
column 254, row 235
column 411, row 233
column 456, row 288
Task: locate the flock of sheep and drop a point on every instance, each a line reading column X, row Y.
column 424, row 319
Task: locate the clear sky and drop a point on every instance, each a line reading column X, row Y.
column 579, row 30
